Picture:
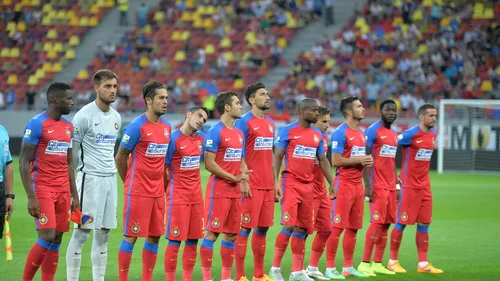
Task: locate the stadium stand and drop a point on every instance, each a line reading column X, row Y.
column 415, row 51
column 38, row 37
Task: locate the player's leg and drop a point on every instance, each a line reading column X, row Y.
column 231, row 227
column 51, row 260
column 381, row 244
column 248, row 219
column 322, row 225
column 176, row 231
column 216, row 209
column 266, row 220
column 195, row 232
column 339, row 207
column 156, row 230
column 422, row 237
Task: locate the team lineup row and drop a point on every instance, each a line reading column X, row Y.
column 160, row 169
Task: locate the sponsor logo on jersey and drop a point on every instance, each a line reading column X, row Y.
column 388, row 151
column 76, row 131
column 105, row 139
column 233, row 154
column 424, row 154
column 335, row 144
column 263, row 143
column 166, row 133
column 157, row 149
column 190, row 162
column 27, row 133
column 210, row 143
column 125, row 138
column 304, row 152
column 57, row 148
column 357, row 151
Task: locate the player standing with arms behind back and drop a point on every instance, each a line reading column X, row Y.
column 224, row 158
column 348, row 156
column 48, row 178
column 301, row 144
column 380, row 187
column 185, row 211
column 418, row 144
column 147, row 137
column 258, row 210
column 96, row 128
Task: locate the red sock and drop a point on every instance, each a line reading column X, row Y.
column 298, row 246
column 280, row 248
column 422, row 240
column 35, row 259
column 332, row 245
column 170, row 261
column 240, row 253
column 149, row 255
column 381, row 243
column 227, row 256
column 396, row 236
column 206, row 255
column 189, row 259
column 259, row 250
column 49, row 264
column 349, row 244
column 124, row 259
column 318, row 247
column 371, row 238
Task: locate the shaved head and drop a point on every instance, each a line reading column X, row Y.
column 306, row 104
column 308, row 110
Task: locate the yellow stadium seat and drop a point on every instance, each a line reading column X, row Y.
column 185, row 35
column 58, row 47
column 238, row 84
column 35, row 3
column 7, row 2
column 74, row 40
column 46, row 8
column 229, row 56
column 159, row 16
column 74, row 21
column 57, row 67
column 144, row 62
column 489, row 14
column 52, row 34
column 208, row 23
column 190, row 4
column 282, row 42
column 70, row 14
column 5, row 53
column 40, row 73
column 21, row 26
column 422, row 49
column 18, row 7
column 11, row 26
column 197, row 22
column 225, row 43
column 330, row 63
column 32, row 80
column 201, row 10
column 83, row 75
column 187, row 16
column 109, row 3
column 84, row 21
column 310, row 84
column 46, row 20
column 70, row 54
column 14, row 53
column 61, row 14
column 176, row 36
column 486, row 86
column 389, row 63
column 418, row 15
column 180, row 56
column 94, row 21
column 94, row 9
column 211, row 10
column 209, row 49
column 47, row 46
column 47, row 67
column 52, row 54
column 12, row 79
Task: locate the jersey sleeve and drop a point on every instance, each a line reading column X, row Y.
column 170, row 151
column 283, row 138
column 8, row 158
column 80, row 127
column 131, row 136
column 212, row 140
column 405, row 138
column 33, row 132
column 241, row 125
column 321, row 147
column 338, row 142
column 244, row 147
column 371, row 135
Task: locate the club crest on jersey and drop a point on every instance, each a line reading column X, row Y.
column 404, row 216
column 136, row 228
column 434, row 142
column 375, row 216
column 271, row 129
column 286, row 216
column 200, row 147
column 216, row 223
column 43, row 219
column 316, row 139
column 166, row 133
column 245, row 218
column 337, row 219
column 68, row 132
column 116, row 126
column 175, row 231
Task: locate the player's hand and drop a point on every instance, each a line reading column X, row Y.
column 366, row 160
column 277, row 193
column 245, row 189
column 9, row 207
column 33, row 207
column 75, row 204
column 399, row 180
column 398, row 195
column 331, row 192
column 243, row 176
column 368, row 193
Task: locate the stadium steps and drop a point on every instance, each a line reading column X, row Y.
column 307, row 37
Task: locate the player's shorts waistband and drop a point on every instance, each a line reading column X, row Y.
column 99, row 175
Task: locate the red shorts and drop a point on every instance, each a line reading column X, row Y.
column 347, row 208
column 54, row 211
column 223, row 214
column 415, row 206
column 258, row 210
column 297, row 204
column 322, row 214
column 384, row 207
column 143, row 216
column 185, row 222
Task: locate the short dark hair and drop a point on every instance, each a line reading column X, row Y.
column 422, row 110
column 149, row 89
column 386, row 102
column 346, row 103
column 196, row 108
column 323, row 111
column 252, row 89
column 222, row 99
column 102, row 75
column 56, row 89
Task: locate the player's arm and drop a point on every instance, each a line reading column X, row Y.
column 72, row 183
column 215, row 169
column 80, row 127
column 338, row 143
column 31, row 137
column 325, row 166
column 131, row 136
column 8, row 180
column 75, row 154
column 121, row 161
column 245, row 187
column 371, row 136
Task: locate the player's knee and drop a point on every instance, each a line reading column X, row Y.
column 192, row 242
column 101, row 236
column 129, row 239
column 261, row 230
column 58, row 238
column 48, row 235
column 81, row 235
column 289, row 228
column 300, row 230
column 212, row 236
column 244, row 229
column 153, row 239
column 230, row 237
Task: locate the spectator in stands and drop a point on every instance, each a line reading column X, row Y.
column 2, row 101
column 10, row 100
column 142, row 15
column 123, row 7
column 372, row 91
column 30, row 98
column 329, row 13
column 109, row 51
